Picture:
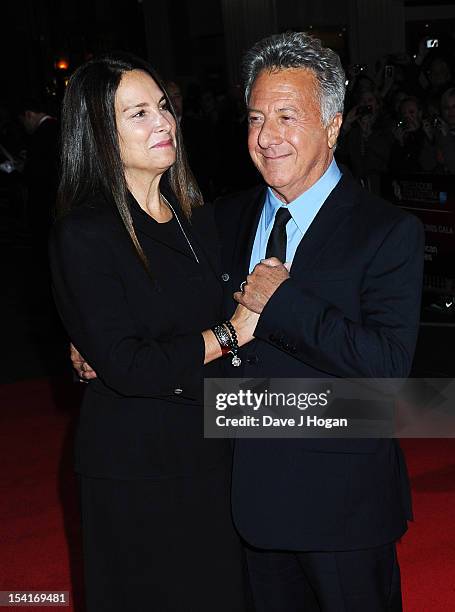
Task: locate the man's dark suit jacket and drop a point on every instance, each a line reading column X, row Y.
column 350, row 309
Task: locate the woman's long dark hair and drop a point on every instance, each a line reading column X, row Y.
column 90, row 153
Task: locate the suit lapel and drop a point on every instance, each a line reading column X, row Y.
column 331, row 217
column 333, row 214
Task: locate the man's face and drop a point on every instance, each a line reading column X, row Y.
column 286, row 139
column 448, row 111
column 29, row 121
column 369, row 99
column 175, row 94
column 411, row 114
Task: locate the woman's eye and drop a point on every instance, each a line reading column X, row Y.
column 141, row 113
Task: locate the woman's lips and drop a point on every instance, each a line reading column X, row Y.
column 162, row 143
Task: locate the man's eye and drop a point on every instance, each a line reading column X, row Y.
column 253, row 119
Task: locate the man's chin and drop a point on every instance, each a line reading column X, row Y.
column 275, row 182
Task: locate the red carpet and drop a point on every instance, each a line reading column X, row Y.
column 39, row 524
column 427, row 552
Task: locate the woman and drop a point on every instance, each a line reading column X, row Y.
column 137, row 285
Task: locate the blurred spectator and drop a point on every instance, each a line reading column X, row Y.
column 357, row 82
column 444, row 134
column 12, row 147
column 41, row 168
column 395, row 103
column 437, row 78
column 366, row 141
column 13, row 194
column 413, row 137
column 196, row 138
column 397, row 75
column 175, row 94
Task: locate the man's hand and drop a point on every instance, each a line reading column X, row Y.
column 84, row 371
column 259, row 287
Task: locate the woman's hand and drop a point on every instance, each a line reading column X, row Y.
column 244, row 322
column 83, row 370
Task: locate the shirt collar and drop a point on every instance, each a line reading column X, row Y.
column 309, row 202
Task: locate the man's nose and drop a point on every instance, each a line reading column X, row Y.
column 269, row 134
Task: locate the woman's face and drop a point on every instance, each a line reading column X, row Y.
column 145, row 125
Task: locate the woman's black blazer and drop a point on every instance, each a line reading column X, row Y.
column 141, row 332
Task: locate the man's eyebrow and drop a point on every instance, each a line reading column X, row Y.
column 284, row 109
column 280, row 110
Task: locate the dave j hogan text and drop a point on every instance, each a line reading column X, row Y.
column 266, row 420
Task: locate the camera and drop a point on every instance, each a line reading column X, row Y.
column 432, row 43
column 388, row 71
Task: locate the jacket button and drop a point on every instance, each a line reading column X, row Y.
column 252, row 359
column 272, row 338
column 225, row 277
column 178, row 391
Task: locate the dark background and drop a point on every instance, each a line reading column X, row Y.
column 197, row 43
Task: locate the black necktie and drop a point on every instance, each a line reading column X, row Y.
column 276, row 246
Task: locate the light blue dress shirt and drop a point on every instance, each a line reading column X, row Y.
column 303, row 210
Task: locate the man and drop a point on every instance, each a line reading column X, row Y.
column 323, row 513
column 41, row 168
column 444, row 134
column 413, row 134
column 175, row 94
column 366, row 140
column 319, row 517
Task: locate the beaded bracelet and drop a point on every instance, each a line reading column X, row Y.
column 236, row 361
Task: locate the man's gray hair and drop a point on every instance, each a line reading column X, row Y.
column 299, row 50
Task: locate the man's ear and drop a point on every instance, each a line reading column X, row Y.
column 333, row 130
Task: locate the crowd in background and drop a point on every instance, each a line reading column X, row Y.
column 399, row 119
